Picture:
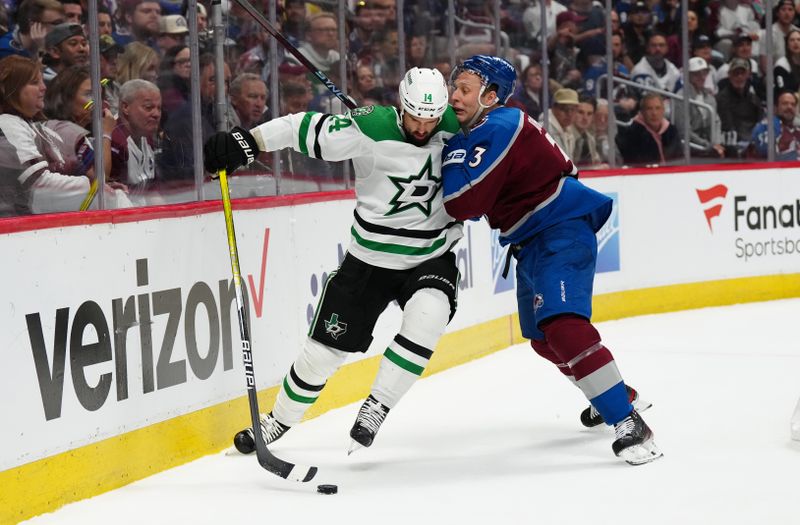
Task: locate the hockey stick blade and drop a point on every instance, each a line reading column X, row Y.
column 266, row 459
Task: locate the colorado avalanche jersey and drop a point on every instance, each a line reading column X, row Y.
column 508, row 168
column 400, row 220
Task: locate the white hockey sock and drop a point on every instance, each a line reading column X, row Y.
column 425, row 317
column 303, row 384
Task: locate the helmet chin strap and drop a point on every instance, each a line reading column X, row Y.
column 479, row 113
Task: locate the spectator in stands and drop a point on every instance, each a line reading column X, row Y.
column 68, row 105
column 585, row 153
column 177, row 160
column 562, row 115
column 323, row 41
column 622, row 60
column 783, row 15
column 73, row 11
column 294, row 19
column 105, row 23
column 736, row 18
column 563, row 53
column 531, row 20
column 35, row 19
column 133, row 141
column 675, row 52
column 787, row 68
column 172, row 32
column 31, row 163
column 417, row 51
column 787, row 130
column 601, row 129
column 366, row 23
column 654, row 69
column 138, row 20
column 667, row 15
column 294, row 99
column 249, row 99
column 738, row 106
column 386, row 11
column 109, row 55
column 364, row 80
column 590, row 34
column 701, row 47
column 66, row 46
column 137, row 61
column 637, row 29
column 703, row 125
column 742, row 48
column 174, row 79
column 529, row 97
column 650, row 139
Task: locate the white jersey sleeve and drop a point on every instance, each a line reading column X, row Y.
column 318, row 135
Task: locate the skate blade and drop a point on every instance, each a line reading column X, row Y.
column 640, row 405
column 641, row 454
column 354, row 445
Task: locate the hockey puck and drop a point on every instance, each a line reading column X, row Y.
column 327, row 489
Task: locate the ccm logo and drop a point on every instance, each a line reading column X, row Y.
column 248, row 151
column 456, row 156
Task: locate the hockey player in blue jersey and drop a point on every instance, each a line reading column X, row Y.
column 503, row 165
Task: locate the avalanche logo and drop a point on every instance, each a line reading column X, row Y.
column 608, row 259
column 711, row 199
column 501, row 284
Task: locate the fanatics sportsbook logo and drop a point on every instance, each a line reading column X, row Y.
column 712, row 199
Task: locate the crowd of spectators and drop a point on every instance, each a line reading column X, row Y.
column 46, row 97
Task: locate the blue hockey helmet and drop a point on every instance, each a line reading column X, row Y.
column 491, row 70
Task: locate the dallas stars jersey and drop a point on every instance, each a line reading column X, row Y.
column 400, row 220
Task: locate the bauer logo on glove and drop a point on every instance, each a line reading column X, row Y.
column 229, row 151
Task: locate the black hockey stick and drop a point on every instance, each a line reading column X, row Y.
column 267, row 460
column 269, row 28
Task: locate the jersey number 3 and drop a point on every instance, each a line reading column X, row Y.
column 479, row 151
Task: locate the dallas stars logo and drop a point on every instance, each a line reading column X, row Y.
column 416, row 191
column 334, row 327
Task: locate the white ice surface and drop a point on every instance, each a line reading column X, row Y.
column 498, row 441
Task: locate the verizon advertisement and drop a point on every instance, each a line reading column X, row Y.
column 112, row 327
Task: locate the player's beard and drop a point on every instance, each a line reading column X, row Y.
column 414, row 141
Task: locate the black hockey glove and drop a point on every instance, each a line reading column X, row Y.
column 229, row 150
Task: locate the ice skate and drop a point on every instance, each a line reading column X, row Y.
column 634, row 441
column 369, row 420
column 271, row 430
column 590, row 417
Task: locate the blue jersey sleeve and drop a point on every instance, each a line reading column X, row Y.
column 471, row 175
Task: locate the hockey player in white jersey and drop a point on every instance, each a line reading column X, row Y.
column 400, row 249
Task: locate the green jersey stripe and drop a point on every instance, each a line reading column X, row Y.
column 396, row 248
column 304, row 125
column 296, row 397
column 403, row 363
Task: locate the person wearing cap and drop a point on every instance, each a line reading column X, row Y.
column 66, row 46
column 561, row 117
column 787, row 130
column 742, row 48
column 701, row 47
column 787, row 68
column 109, row 53
column 783, row 14
column 35, row 18
column 637, row 29
column 173, row 31
column 654, row 69
column 703, row 125
column 651, row 138
column 738, row 105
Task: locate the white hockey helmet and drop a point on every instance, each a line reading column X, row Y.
column 423, row 93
